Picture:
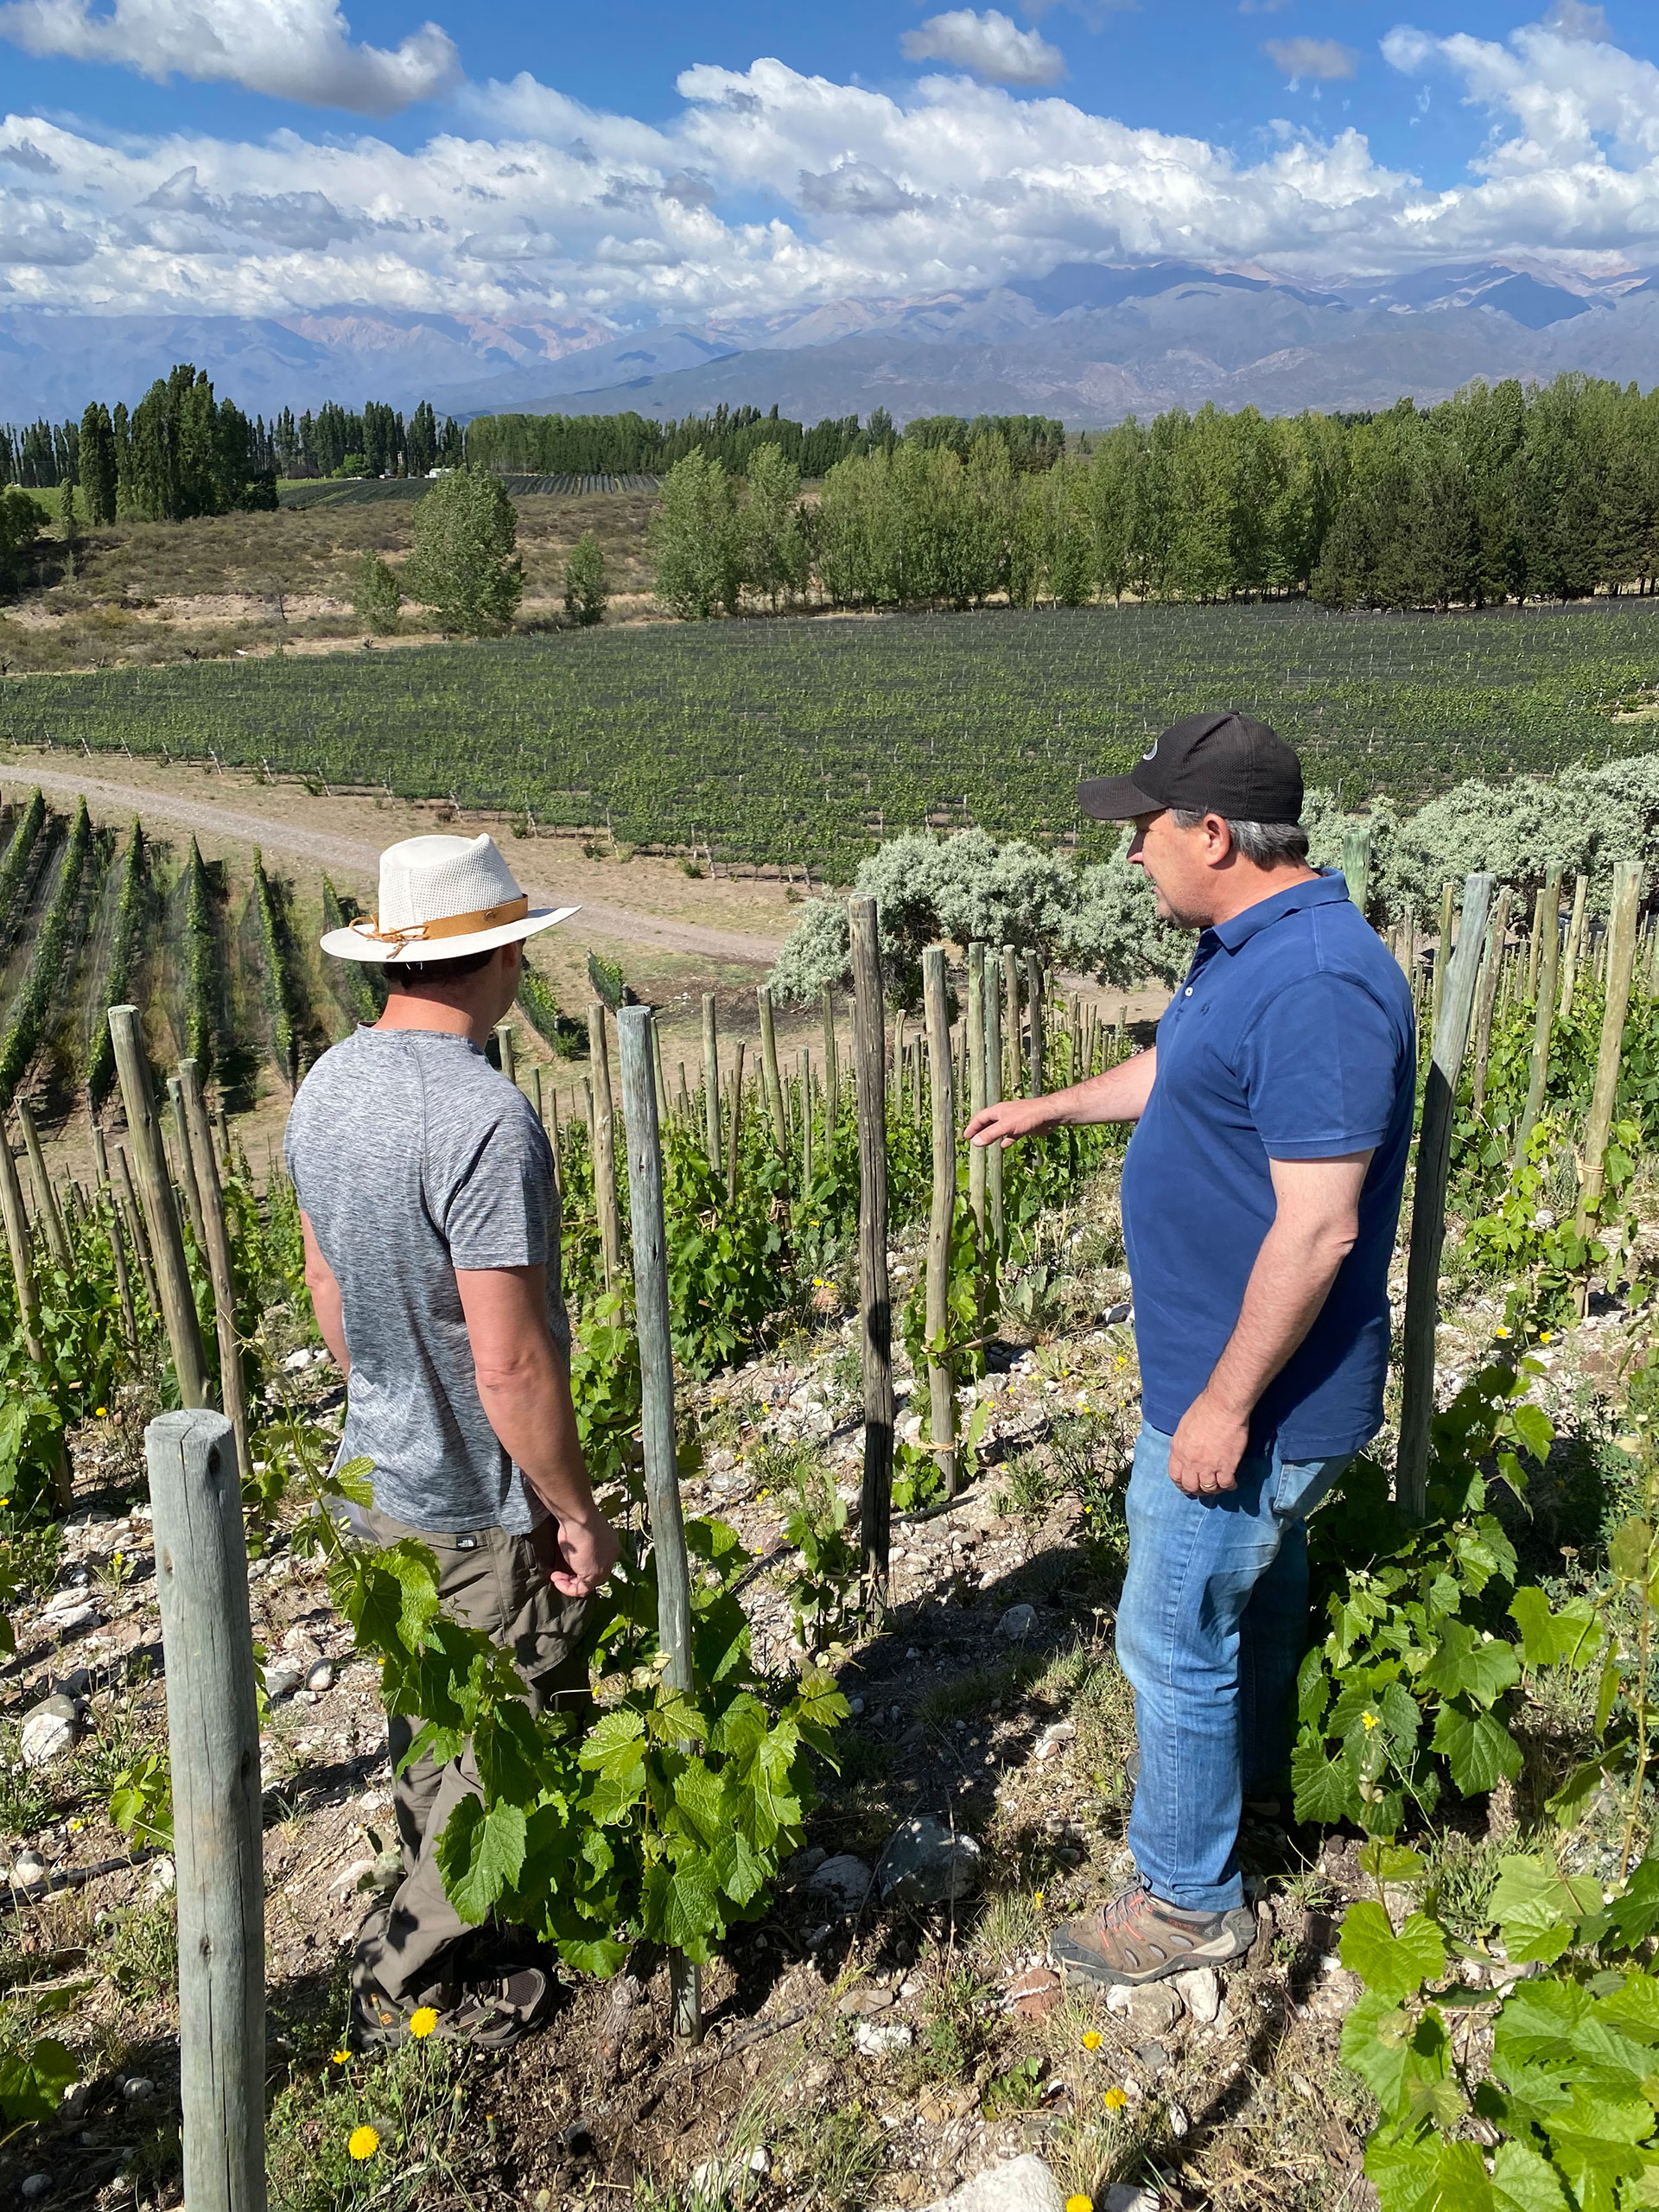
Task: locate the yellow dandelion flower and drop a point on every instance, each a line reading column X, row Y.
column 1038, row 1899
column 1092, row 2039
column 422, row 2021
column 1546, row 1336
column 342, row 2058
column 1368, row 1719
column 1500, row 1331
column 362, row 2143
column 1079, row 2205
column 100, row 1413
column 1116, row 2098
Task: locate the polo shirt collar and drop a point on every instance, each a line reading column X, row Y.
column 1325, row 890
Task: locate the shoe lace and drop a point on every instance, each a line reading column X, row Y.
column 1124, row 1907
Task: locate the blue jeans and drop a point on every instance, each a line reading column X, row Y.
column 1211, row 1629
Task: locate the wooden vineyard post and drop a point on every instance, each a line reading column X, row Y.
column 711, row 1080
column 1428, row 1201
column 806, row 1123
column 831, row 1068
column 199, row 1135
column 656, row 1425
column 1574, row 944
column 1490, row 972
column 166, row 1241
column 1356, row 863
column 1621, row 965
column 23, row 1264
column 734, row 1127
column 213, row 1726
column 1535, row 949
column 1549, row 905
column 46, row 1198
column 507, row 1051
column 874, row 1294
column 1015, row 1074
column 1442, row 957
column 118, row 1242
column 769, row 1071
column 610, row 1227
column 188, row 1182
column 1035, row 1002
column 941, row 1383
column 993, row 1097
column 974, row 1023
column 135, row 1222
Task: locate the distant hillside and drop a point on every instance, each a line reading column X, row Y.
column 1084, row 342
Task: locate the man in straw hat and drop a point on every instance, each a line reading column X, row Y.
column 431, row 1221
column 1260, row 1193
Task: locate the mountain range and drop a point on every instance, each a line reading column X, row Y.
column 1086, row 342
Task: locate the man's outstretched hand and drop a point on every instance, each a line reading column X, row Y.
column 586, row 1552
column 1013, row 1119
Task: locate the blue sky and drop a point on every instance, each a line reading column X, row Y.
column 633, row 162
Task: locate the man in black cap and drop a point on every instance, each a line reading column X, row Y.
column 1260, row 1195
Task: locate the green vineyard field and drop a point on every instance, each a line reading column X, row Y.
column 802, row 739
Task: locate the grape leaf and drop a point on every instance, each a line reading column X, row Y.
column 1480, row 1751
column 481, row 1855
column 1394, row 1966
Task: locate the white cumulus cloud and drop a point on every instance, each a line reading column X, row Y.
column 292, row 49
column 990, row 45
column 1323, row 59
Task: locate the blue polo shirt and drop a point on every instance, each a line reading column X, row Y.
column 1292, row 1037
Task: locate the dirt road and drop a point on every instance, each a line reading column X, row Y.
column 358, row 858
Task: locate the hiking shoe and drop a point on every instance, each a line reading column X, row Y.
column 1265, row 1809
column 494, row 2014
column 1139, row 1938
column 380, row 2022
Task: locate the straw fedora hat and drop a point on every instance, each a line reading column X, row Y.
column 441, row 898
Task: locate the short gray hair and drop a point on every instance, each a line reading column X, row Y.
column 1266, row 843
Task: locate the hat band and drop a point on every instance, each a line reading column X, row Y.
column 486, row 918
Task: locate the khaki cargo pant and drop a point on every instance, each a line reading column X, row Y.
column 491, row 1580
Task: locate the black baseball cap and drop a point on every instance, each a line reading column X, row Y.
column 1211, row 764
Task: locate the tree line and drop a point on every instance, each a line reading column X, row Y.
column 629, row 444
column 1502, row 492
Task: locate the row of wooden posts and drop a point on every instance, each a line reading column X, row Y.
column 195, row 1457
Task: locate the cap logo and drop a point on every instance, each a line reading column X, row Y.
column 1151, row 752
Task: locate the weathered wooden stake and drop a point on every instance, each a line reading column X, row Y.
column 188, row 1182
column 1535, row 949
column 17, row 1242
column 875, row 1300
column 1487, row 999
column 1442, row 957
column 212, row 1726
column 806, row 1122
column 1574, row 944
column 1428, row 1201
column 199, row 1137
column 166, row 1241
column 942, row 1396
column 769, row 1071
column 1621, row 965
column 974, row 1027
column 118, row 1242
column 711, row 1080
column 1036, row 1011
column 831, row 1063
column 1015, row 1072
column 134, row 1216
column 656, row 1424
column 610, row 1224
column 993, row 1097
column 507, row 1048
column 1543, row 1022
column 733, row 1127
column 46, row 1198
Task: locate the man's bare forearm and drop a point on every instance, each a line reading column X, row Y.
column 1118, row 1093
column 527, row 1403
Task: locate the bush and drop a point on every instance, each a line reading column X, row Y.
column 586, row 591
column 464, row 566
column 375, row 595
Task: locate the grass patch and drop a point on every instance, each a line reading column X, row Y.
column 427, row 2111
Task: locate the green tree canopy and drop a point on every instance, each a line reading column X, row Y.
column 464, row 565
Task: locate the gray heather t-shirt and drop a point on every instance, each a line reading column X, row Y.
column 412, row 1157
